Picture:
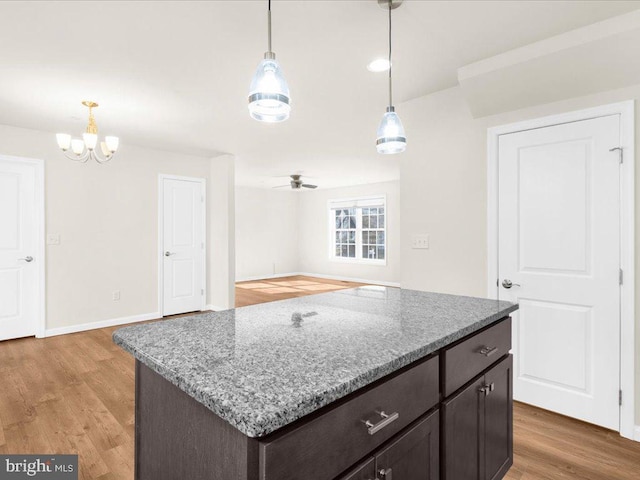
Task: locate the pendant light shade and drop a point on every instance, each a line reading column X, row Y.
column 269, row 99
column 269, row 93
column 390, row 138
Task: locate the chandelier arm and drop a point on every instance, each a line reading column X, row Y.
column 102, row 160
column 78, row 158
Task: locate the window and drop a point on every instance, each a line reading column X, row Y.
column 358, row 229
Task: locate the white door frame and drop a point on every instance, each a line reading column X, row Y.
column 627, row 233
column 38, row 164
column 161, row 178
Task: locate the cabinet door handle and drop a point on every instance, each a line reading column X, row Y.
column 386, row 420
column 386, row 474
column 488, row 351
column 487, row 388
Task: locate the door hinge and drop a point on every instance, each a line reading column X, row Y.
column 621, row 277
column 620, row 397
column 619, row 149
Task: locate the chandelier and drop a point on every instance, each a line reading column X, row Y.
column 85, row 148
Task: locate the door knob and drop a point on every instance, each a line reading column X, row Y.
column 168, row 254
column 27, row 259
column 506, row 283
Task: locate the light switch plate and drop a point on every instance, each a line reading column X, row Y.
column 53, row 239
column 420, row 241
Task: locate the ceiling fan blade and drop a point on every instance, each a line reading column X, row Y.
column 282, row 186
column 306, row 185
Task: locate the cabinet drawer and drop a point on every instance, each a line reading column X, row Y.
column 465, row 360
column 328, row 444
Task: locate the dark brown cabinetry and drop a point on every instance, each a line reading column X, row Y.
column 444, row 417
column 477, row 427
column 414, row 455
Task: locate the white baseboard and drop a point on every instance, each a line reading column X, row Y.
column 351, row 279
column 319, row 275
column 267, row 277
column 636, row 433
column 214, row 308
column 51, row 332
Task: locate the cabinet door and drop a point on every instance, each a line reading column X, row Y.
column 364, row 471
column 498, row 424
column 414, row 455
column 461, row 433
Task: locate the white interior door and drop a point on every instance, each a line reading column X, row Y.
column 19, row 250
column 183, row 251
column 559, row 246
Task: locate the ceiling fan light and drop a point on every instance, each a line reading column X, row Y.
column 112, row 143
column 269, row 99
column 77, row 146
column 90, row 140
column 64, row 141
column 391, row 137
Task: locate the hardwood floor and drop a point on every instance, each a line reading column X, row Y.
column 75, row 394
column 261, row 291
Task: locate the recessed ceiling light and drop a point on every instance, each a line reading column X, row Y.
column 378, row 65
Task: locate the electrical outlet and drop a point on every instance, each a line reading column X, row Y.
column 116, row 296
column 420, row 241
column 53, row 239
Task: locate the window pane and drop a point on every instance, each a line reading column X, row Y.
column 373, row 211
column 352, row 251
column 352, row 237
column 338, row 250
column 381, row 211
column 381, row 252
column 380, row 238
column 381, row 221
column 344, row 251
column 352, row 222
column 373, row 222
column 365, row 238
column 337, row 237
column 365, row 211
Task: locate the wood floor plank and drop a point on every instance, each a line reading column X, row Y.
column 75, row 393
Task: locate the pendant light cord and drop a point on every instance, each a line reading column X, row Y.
column 269, row 25
column 390, row 94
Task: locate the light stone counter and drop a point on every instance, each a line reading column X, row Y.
column 264, row 366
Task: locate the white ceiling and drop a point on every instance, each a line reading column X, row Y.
column 174, row 75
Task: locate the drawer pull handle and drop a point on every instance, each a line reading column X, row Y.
column 386, row 474
column 488, row 351
column 386, row 420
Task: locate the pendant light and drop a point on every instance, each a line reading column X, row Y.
column 269, row 93
column 391, row 137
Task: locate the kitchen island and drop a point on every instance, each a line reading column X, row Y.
column 356, row 384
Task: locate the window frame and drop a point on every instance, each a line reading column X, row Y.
column 353, row 201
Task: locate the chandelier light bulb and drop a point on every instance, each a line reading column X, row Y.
column 111, row 143
column 64, row 141
column 90, row 140
column 77, row 146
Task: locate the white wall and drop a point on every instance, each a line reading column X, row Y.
column 280, row 232
column 106, row 216
column 443, row 191
column 267, row 223
column 314, row 233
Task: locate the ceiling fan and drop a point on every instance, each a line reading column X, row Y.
column 296, row 183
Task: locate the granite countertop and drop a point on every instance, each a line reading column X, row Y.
column 264, row 366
